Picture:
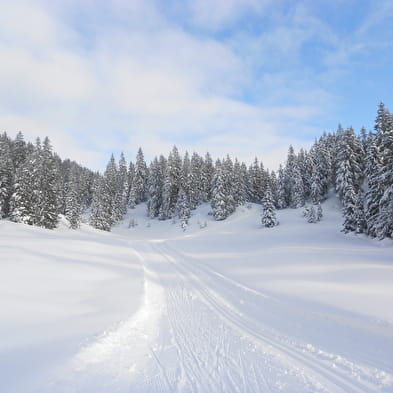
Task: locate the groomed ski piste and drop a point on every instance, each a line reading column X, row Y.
column 223, row 307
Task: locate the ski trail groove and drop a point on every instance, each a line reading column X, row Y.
column 338, row 379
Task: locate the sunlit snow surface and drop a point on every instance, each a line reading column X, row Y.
column 230, row 307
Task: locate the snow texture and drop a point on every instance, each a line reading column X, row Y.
column 225, row 307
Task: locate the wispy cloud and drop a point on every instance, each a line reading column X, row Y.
column 107, row 76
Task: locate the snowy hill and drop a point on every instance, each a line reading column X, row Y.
column 222, row 307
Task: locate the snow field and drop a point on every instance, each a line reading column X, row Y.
column 230, row 307
column 57, row 289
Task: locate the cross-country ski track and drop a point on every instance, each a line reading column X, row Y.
column 193, row 334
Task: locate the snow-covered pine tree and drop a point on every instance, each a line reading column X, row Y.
column 185, row 181
column 256, row 182
column 140, row 178
column 172, row 184
column 156, row 177
column 281, row 189
column 374, row 186
column 130, row 181
column 297, row 189
column 73, row 207
column 183, row 209
column 227, row 167
column 323, row 163
column 198, row 192
column 6, row 174
column 303, row 162
column 269, row 219
column 349, row 209
column 219, row 200
column 316, row 187
column 359, row 212
column 311, row 215
column 207, row 177
column 349, row 162
column 122, row 187
column 384, row 225
column 24, row 203
column 273, row 184
column 239, row 184
column 19, row 150
column 47, row 214
column 102, row 216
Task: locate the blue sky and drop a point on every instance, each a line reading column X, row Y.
column 244, row 77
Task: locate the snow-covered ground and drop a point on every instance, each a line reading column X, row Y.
column 229, row 307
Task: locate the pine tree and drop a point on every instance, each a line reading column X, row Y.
column 207, row 178
column 316, row 187
column 103, row 207
column 130, row 181
column 311, row 215
column 219, row 200
column 172, row 184
column 268, row 213
column 122, row 187
column 183, row 209
column 297, row 189
column 256, row 182
column 185, row 181
column 47, row 200
column 73, row 208
column 198, row 194
column 155, row 183
column 19, row 150
column 140, row 178
column 6, row 174
column 359, row 212
column 100, row 216
column 384, row 225
column 349, row 210
column 374, row 186
column 281, row 189
column 229, row 182
column 25, row 200
column 239, row 184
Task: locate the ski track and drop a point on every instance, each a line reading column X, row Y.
column 192, row 336
column 299, row 359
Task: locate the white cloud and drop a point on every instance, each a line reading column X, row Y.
column 143, row 84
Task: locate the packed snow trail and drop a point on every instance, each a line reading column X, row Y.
column 199, row 331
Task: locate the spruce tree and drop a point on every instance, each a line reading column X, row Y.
column 73, row 208
column 349, row 210
column 47, row 200
column 183, row 209
column 268, row 213
column 6, row 174
column 359, row 212
column 219, row 200
column 140, row 178
column 25, row 202
column 172, row 184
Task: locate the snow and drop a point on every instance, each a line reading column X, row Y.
column 57, row 288
column 229, row 307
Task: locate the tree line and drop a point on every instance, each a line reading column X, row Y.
column 36, row 185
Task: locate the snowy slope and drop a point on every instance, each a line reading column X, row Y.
column 58, row 288
column 231, row 307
